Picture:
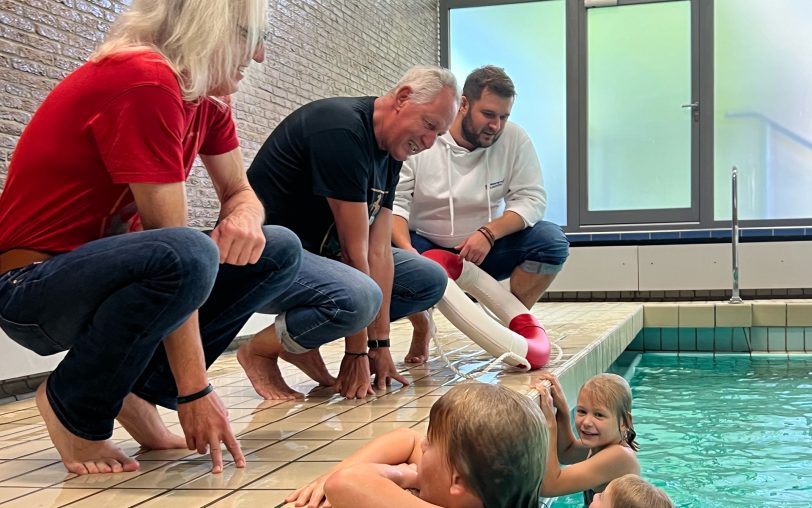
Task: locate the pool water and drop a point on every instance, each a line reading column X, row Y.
column 733, row 431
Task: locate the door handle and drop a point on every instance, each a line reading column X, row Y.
column 694, row 110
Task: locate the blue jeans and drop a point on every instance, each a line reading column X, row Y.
column 112, row 301
column 541, row 249
column 330, row 299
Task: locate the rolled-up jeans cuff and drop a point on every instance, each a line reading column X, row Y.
column 288, row 343
column 539, row 267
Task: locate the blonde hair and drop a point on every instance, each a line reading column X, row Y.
column 426, row 81
column 203, row 41
column 496, row 439
column 631, row 491
column 614, row 392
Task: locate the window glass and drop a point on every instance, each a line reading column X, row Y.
column 638, row 133
column 763, row 106
column 528, row 41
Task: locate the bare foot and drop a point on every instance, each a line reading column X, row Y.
column 142, row 421
column 424, row 330
column 82, row 456
column 312, row 364
column 264, row 374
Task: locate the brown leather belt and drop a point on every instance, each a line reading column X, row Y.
column 17, row 258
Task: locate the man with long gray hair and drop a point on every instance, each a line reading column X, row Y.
column 329, row 172
column 142, row 314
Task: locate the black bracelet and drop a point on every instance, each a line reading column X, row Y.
column 488, row 234
column 355, row 354
column 372, row 343
column 197, row 395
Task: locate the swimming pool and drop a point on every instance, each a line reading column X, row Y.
column 730, row 431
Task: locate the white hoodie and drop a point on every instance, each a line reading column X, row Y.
column 442, row 191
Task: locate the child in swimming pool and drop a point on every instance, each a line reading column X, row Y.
column 606, row 447
column 631, row 491
column 486, row 446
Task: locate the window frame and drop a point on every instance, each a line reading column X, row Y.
column 580, row 220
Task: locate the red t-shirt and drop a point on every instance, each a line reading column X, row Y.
column 108, row 124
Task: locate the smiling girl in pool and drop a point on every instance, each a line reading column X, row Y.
column 605, row 448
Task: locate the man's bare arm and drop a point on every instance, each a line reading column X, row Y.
column 400, row 233
column 238, row 233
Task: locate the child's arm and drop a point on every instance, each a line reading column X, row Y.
column 368, row 485
column 606, row 465
column 553, row 468
column 396, row 447
column 569, row 449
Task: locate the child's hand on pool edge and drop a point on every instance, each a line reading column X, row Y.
column 556, row 391
column 545, row 399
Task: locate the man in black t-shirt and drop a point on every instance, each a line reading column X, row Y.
column 328, row 172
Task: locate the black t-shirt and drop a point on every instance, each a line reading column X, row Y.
column 325, row 149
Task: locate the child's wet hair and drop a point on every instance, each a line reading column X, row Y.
column 613, row 392
column 496, row 440
column 631, row 491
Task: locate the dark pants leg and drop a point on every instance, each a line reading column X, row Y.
column 540, row 249
column 110, row 303
column 238, row 292
column 328, row 300
column 419, row 283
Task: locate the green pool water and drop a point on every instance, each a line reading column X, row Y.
column 730, row 431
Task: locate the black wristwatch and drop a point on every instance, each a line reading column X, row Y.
column 375, row 343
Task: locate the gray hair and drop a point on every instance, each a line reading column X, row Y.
column 426, row 81
column 203, row 41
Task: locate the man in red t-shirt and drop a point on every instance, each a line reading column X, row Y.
column 142, row 314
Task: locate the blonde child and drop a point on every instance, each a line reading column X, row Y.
column 606, row 446
column 631, row 491
column 486, row 446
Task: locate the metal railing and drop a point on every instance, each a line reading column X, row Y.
column 735, row 235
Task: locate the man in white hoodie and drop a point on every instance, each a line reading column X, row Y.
column 479, row 192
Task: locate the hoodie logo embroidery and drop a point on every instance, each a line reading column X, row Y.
column 494, row 185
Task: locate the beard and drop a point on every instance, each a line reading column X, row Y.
column 473, row 137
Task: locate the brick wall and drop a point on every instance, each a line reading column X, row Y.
column 318, row 48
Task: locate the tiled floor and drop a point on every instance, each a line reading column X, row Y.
column 289, row 443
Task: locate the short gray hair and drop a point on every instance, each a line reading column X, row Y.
column 426, row 81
